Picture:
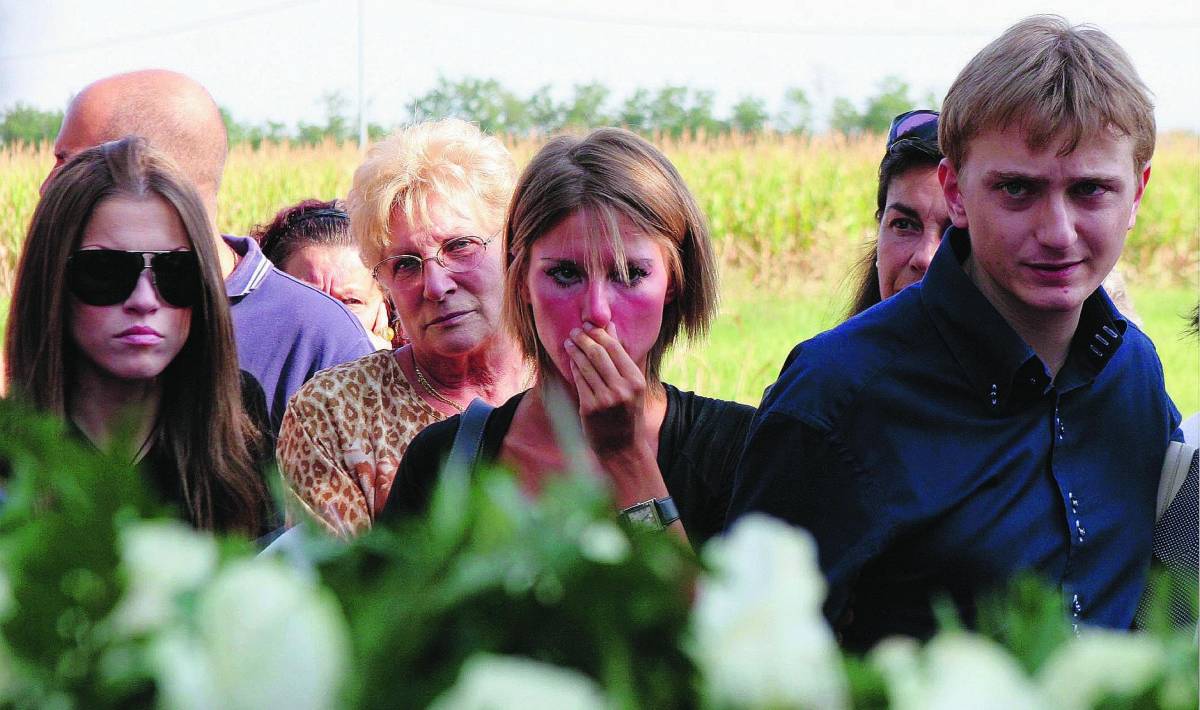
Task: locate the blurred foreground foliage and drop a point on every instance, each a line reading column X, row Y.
column 488, row 600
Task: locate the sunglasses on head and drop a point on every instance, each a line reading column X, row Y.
column 921, row 123
column 103, row 277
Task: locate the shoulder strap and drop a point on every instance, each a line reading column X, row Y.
column 468, row 441
column 1174, row 471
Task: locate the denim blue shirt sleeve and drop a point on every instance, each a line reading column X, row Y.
column 927, row 449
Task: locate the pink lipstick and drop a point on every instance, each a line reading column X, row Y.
column 140, row 335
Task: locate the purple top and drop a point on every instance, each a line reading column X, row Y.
column 285, row 329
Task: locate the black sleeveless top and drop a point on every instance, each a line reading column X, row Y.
column 698, row 448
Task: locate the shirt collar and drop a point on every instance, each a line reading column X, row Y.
column 1100, row 332
column 999, row 364
column 251, row 270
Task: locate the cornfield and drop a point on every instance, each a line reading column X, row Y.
column 784, row 207
column 789, row 216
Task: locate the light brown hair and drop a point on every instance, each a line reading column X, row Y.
column 611, row 173
column 1048, row 78
column 201, row 423
column 450, row 161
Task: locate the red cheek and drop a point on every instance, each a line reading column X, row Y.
column 638, row 318
column 557, row 311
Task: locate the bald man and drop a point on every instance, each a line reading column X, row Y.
column 285, row 330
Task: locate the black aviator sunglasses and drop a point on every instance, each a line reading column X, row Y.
column 103, row 277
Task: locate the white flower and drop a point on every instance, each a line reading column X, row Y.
column 489, row 682
column 182, row 669
column 604, row 542
column 264, row 637
column 759, row 635
column 1098, row 663
column 954, row 670
column 161, row 559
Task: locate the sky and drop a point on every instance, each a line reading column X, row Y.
column 273, row 60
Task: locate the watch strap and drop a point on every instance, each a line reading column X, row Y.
column 668, row 512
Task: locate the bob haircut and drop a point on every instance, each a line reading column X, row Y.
column 308, row 222
column 611, row 173
column 1048, row 78
column 201, row 422
column 448, row 161
column 904, row 155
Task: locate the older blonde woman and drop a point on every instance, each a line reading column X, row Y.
column 425, row 208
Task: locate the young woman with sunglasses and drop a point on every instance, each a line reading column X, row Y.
column 119, row 323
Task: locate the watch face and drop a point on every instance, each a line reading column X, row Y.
column 643, row 514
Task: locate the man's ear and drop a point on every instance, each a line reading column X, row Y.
column 948, row 177
column 1142, row 179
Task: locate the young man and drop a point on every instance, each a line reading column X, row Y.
column 285, row 330
column 1001, row 416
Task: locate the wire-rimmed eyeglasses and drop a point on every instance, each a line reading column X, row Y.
column 457, row 255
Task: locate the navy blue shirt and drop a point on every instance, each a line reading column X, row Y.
column 926, row 448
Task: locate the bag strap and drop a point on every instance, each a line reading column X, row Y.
column 468, row 441
column 1174, row 471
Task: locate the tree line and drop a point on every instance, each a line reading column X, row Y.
column 671, row 110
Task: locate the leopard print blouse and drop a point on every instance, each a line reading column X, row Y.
column 342, row 438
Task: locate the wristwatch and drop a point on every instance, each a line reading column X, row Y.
column 655, row 513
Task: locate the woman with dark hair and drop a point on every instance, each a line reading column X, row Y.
column 311, row 241
column 119, row 317
column 608, row 263
column 911, row 211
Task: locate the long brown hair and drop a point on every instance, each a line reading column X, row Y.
column 201, row 424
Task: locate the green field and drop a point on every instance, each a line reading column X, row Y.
column 788, row 215
column 758, row 327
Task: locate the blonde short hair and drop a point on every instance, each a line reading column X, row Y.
column 611, row 173
column 450, row 161
column 1046, row 76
